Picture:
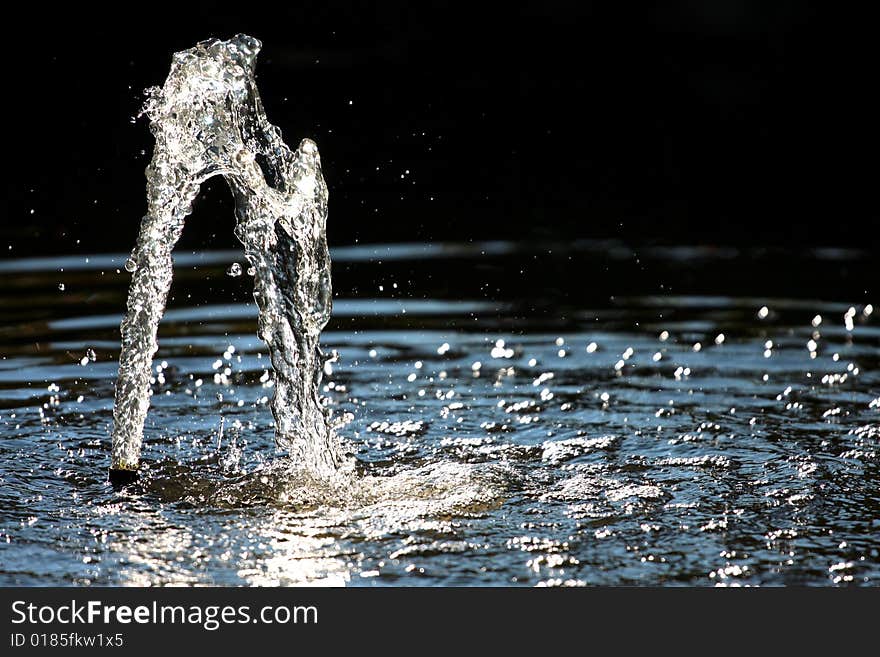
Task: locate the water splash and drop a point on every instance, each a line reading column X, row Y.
column 208, row 120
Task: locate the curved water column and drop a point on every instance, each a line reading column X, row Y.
column 208, row 120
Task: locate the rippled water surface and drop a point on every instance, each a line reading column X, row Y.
column 578, row 414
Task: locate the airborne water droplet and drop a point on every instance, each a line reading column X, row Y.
column 130, row 265
column 234, row 270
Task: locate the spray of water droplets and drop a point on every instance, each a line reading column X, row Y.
column 208, row 120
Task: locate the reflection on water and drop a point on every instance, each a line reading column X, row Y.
column 529, row 432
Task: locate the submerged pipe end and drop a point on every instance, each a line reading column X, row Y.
column 123, row 476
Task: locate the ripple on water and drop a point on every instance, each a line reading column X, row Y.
column 546, row 465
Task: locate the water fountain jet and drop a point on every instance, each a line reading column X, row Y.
column 207, row 120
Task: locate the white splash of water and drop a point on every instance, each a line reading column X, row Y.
column 208, row 120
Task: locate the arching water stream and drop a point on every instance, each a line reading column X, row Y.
column 208, row 120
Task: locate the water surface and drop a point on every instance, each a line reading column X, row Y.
column 532, row 415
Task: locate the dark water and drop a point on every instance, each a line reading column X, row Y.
column 496, row 446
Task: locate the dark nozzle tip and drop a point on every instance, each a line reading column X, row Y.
column 122, row 477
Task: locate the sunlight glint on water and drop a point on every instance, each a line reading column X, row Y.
column 546, row 465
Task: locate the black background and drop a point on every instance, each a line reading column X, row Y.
column 716, row 123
